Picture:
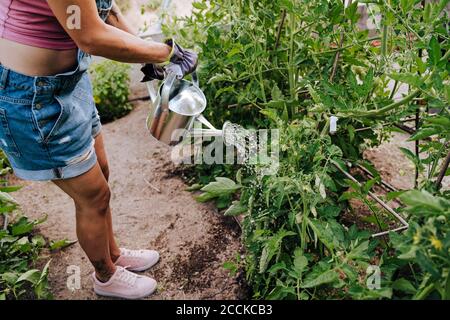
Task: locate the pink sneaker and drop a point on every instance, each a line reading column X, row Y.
column 137, row 260
column 126, row 285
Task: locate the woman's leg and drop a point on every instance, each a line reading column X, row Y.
column 103, row 162
column 91, row 195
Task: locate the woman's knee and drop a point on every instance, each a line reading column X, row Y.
column 97, row 200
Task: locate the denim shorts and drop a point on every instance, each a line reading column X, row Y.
column 48, row 124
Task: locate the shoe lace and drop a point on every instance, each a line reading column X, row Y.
column 130, row 253
column 128, row 277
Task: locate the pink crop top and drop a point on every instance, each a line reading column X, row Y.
column 33, row 23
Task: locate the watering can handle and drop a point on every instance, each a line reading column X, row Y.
column 173, row 73
column 195, row 79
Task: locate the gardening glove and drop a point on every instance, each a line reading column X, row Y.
column 152, row 72
column 186, row 59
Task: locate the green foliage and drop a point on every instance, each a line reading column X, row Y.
column 424, row 250
column 111, row 82
column 4, row 164
column 290, row 65
column 20, row 247
column 21, row 274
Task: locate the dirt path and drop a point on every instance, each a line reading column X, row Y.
column 194, row 240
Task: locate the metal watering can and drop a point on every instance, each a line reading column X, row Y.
column 176, row 106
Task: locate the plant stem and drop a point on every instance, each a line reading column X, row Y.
column 347, row 46
column 280, row 28
column 375, row 214
column 424, row 293
column 291, row 58
column 338, row 53
column 336, row 58
column 416, row 148
column 384, row 110
column 304, row 223
column 261, row 84
column 384, row 42
column 394, row 90
column 443, row 170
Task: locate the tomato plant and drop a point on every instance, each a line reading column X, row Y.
column 291, row 65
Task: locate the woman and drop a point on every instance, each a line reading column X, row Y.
column 50, row 128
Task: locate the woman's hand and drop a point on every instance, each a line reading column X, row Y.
column 96, row 37
column 187, row 61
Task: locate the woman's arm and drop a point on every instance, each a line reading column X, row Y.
column 116, row 19
column 98, row 38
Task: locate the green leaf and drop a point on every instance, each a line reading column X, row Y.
column 347, row 196
column 368, row 185
column 223, row 90
column 271, row 248
column 411, row 156
column 416, row 198
column 323, row 232
column 434, row 51
column 205, row 197
column 410, row 254
column 31, row 276
column 329, row 276
column 41, row 289
column 23, row 226
column 351, row 12
column 223, row 201
column 221, row 186
column 231, row 267
column 199, row 5
column 5, row 197
column 44, row 274
column 38, row 241
column 300, row 261
column 9, row 277
column 233, row 52
column 236, row 209
column 280, row 266
column 359, row 252
column 404, row 285
column 194, row 187
column 408, row 78
column 427, row 13
column 394, row 194
column 424, row 133
column 406, row 5
column 427, row 264
column 10, row 189
column 277, row 94
column 439, row 120
column 60, row 244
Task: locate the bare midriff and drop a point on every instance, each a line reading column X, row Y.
column 34, row 61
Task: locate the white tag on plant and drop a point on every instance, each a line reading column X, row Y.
column 333, row 124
